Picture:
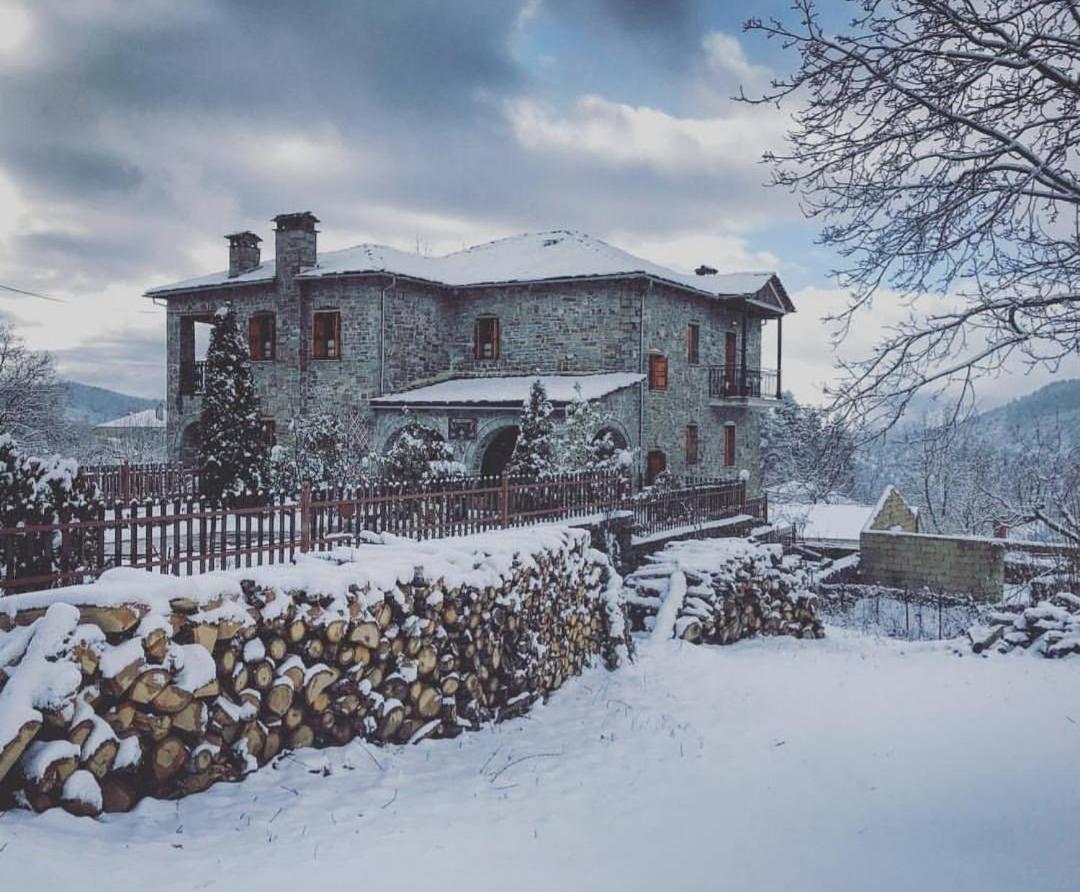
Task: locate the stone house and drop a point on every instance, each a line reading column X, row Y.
column 453, row 342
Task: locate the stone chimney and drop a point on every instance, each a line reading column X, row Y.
column 704, row 270
column 243, row 252
column 294, row 242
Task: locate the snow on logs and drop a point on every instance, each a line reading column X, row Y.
column 1050, row 628
column 717, row 591
column 107, row 695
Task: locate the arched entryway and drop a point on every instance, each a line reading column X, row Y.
column 498, row 452
column 189, row 445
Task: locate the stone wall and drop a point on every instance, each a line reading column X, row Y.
column 894, row 513
column 951, row 564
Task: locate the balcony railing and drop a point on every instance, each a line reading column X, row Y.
column 726, row 383
column 192, row 377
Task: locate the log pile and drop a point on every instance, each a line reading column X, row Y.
column 102, row 703
column 1050, row 628
column 717, row 591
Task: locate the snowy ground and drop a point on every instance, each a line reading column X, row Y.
column 849, row 763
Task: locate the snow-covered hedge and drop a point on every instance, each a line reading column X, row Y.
column 145, row 685
column 721, row 590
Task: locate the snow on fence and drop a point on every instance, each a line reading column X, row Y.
column 910, row 614
column 125, row 482
column 133, row 686
column 185, row 536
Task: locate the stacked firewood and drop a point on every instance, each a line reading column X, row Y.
column 718, row 591
column 1050, row 628
column 102, row 705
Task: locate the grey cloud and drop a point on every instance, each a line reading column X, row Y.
column 129, row 361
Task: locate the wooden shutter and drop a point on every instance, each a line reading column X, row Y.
column 495, row 338
column 658, row 372
column 254, row 344
column 691, row 444
column 478, row 352
column 693, row 344
column 335, row 321
column 656, row 464
column 319, row 336
column 729, row 445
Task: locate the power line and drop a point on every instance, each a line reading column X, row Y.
column 55, row 300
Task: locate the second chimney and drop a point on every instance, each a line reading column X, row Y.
column 294, row 242
column 243, row 252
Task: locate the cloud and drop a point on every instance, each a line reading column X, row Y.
column 620, row 134
column 126, row 360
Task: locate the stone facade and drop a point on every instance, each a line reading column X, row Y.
column 894, row 513
column 399, row 333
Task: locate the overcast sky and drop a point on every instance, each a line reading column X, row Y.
column 135, row 134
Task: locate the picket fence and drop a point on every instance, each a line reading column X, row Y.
column 187, row 535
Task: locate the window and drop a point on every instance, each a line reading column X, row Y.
column 327, row 331
column 269, row 430
column 729, row 445
column 693, row 344
column 261, row 342
column 655, row 465
column 657, row 372
column 691, row 444
column 486, row 338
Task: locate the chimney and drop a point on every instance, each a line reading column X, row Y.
column 294, row 242
column 704, row 270
column 243, row 252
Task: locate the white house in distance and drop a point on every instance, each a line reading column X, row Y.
column 135, row 437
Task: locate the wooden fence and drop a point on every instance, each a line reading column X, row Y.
column 126, row 482
column 190, row 535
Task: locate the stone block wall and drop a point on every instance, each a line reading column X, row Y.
column 952, row 564
column 894, row 513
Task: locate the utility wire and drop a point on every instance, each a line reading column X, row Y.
column 55, row 300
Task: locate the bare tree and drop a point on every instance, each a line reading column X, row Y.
column 937, row 140
column 31, row 397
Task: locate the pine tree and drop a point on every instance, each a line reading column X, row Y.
column 233, row 448
column 533, row 455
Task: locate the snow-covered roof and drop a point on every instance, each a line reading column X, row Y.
column 145, row 418
column 509, row 390
column 533, row 257
column 839, row 523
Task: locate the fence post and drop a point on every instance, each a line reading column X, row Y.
column 125, row 481
column 504, row 500
column 305, row 517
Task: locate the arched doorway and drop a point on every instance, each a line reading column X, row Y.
column 498, row 452
column 189, row 445
column 611, row 441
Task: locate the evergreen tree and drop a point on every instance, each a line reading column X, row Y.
column 534, row 455
column 233, row 449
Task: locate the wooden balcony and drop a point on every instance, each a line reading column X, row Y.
column 736, row 385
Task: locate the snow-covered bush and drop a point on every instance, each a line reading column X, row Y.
column 580, row 443
column 43, row 491
column 233, row 446
column 419, row 455
column 317, row 451
column 534, row 454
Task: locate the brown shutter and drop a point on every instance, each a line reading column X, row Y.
column 477, row 350
column 319, row 336
column 254, row 346
column 729, row 445
column 271, row 337
column 662, row 372
column 337, row 335
column 495, row 338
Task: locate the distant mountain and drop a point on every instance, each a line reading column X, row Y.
column 1051, row 408
column 86, row 404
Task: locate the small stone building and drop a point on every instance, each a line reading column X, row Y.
column 453, row 342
